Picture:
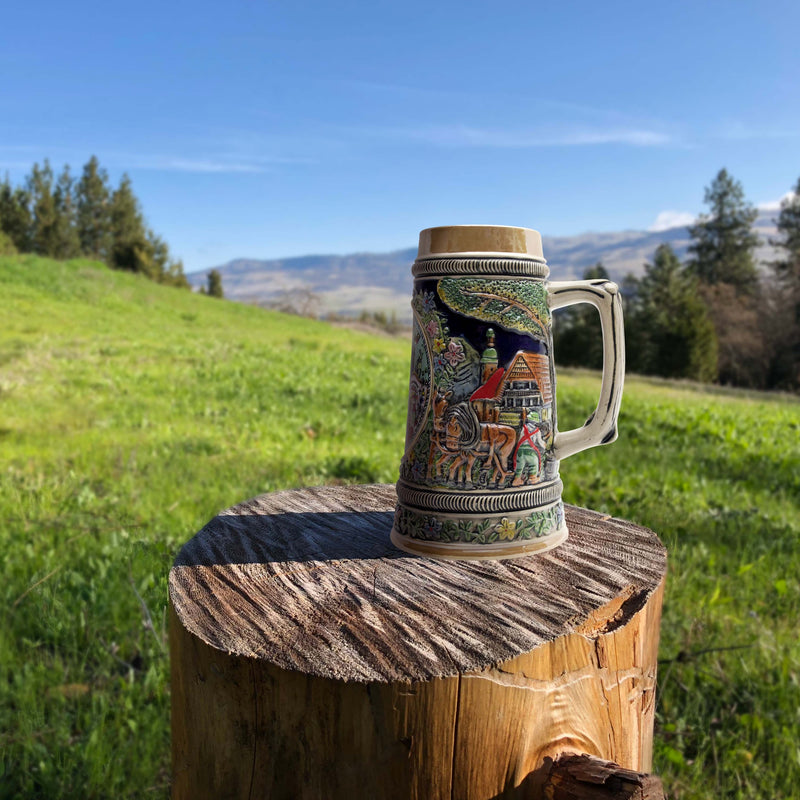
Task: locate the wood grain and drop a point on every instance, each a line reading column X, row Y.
column 242, row 728
column 309, row 581
column 586, row 778
column 310, row 659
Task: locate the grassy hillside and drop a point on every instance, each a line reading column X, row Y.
column 130, row 413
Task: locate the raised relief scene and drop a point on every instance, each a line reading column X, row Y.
column 481, row 404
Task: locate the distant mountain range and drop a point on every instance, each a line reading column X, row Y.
column 359, row 282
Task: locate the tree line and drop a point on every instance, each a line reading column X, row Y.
column 66, row 217
column 715, row 316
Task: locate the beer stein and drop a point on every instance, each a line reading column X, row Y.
column 480, row 474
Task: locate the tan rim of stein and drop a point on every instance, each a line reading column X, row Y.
column 480, row 473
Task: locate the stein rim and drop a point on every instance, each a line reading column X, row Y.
column 508, row 240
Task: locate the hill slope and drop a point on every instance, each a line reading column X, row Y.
column 130, row 413
column 382, row 281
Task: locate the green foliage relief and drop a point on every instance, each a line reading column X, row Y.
column 517, row 305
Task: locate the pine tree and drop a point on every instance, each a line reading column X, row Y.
column 787, row 269
column 215, row 284
column 66, row 241
column 44, row 233
column 15, row 215
column 723, row 242
column 92, row 207
column 176, row 276
column 63, row 219
column 168, row 270
column 669, row 326
column 130, row 248
column 785, row 368
column 159, row 254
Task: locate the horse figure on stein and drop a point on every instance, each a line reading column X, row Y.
column 469, row 439
column 438, row 453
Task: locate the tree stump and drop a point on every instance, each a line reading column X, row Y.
column 312, row 659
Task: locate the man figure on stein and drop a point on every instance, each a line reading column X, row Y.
column 529, row 453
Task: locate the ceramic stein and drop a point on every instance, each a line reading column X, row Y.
column 479, row 477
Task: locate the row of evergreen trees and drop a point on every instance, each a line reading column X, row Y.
column 715, row 317
column 64, row 217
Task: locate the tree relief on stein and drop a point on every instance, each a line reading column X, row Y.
column 481, row 408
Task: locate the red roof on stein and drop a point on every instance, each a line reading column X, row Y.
column 489, row 389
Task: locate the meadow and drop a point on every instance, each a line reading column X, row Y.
column 131, row 413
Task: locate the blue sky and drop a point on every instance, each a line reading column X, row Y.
column 271, row 129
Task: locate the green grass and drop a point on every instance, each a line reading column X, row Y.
column 131, row 413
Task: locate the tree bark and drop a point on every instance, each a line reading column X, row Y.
column 311, row 659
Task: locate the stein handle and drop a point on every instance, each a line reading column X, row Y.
column 601, row 427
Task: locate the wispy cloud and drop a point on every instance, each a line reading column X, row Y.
column 471, row 96
column 738, row 131
column 671, row 219
column 465, row 136
column 202, row 165
column 220, row 163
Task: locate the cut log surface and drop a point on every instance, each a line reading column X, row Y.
column 310, row 658
column 309, row 581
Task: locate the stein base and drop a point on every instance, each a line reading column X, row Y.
column 460, row 550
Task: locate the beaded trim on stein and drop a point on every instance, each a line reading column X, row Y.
column 479, row 503
column 477, row 265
